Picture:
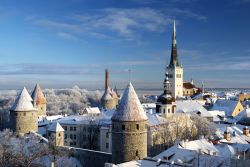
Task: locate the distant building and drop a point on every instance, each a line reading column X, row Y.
column 189, row 89
column 175, row 69
column 110, row 98
column 23, row 115
column 129, row 130
column 244, row 96
column 39, row 101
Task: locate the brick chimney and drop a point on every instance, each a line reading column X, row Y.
column 245, row 131
column 227, row 135
column 106, row 79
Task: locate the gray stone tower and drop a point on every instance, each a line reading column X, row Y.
column 109, row 99
column 23, row 115
column 39, row 101
column 55, row 134
column 129, row 129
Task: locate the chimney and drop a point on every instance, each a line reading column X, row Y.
column 245, row 131
column 227, row 135
column 106, row 79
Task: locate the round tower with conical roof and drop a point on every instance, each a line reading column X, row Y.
column 129, row 129
column 23, row 115
column 39, row 101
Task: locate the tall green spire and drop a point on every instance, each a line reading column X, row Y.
column 174, row 56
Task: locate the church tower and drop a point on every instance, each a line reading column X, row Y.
column 129, row 129
column 175, row 69
column 39, row 101
column 166, row 105
column 23, row 115
column 109, row 99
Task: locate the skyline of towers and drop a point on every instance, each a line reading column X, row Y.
column 26, row 109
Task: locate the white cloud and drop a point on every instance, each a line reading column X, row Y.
column 113, row 23
column 67, row 36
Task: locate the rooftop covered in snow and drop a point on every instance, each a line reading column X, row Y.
column 38, row 96
column 23, row 102
column 130, row 108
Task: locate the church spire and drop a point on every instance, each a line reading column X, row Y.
column 174, row 56
column 166, row 84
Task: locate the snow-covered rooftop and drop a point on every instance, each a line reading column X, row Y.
column 92, row 110
column 155, row 119
column 23, row 102
column 107, row 94
column 225, row 105
column 38, row 96
column 215, row 154
column 192, row 107
column 55, row 127
column 130, row 108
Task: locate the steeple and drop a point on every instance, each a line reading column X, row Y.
column 174, row 56
column 166, row 84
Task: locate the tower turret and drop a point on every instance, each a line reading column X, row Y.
column 39, row 100
column 166, row 102
column 56, row 134
column 23, row 115
column 129, row 129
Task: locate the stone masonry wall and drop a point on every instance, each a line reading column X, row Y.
column 129, row 143
column 24, row 121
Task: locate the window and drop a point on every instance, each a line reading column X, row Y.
column 136, row 153
column 65, row 136
column 74, row 128
column 74, row 136
column 59, row 134
column 71, row 136
column 137, row 126
column 71, row 128
column 168, row 110
column 16, row 114
column 123, row 127
column 107, row 135
column 65, row 128
column 164, row 110
column 107, row 145
column 24, row 114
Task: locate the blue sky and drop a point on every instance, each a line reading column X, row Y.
column 66, row 43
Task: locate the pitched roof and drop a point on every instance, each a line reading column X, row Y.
column 55, row 127
column 188, row 85
column 192, row 107
column 107, row 94
column 129, row 108
column 225, row 105
column 38, row 96
column 23, row 102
